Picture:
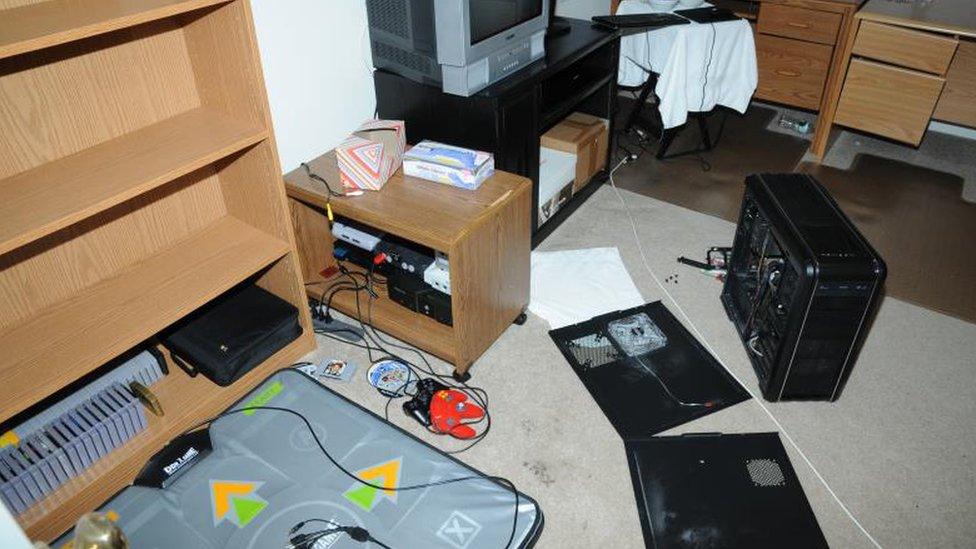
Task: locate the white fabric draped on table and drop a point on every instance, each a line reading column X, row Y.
column 700, row 65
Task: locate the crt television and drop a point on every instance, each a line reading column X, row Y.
column 461, row 45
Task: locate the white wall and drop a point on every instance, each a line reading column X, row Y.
column 11, row 536
column 317, row 71
column 582, row 9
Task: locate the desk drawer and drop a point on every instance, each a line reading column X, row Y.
column 906, row 47
column 957, row 104
column 801, row 23
column 791, row 71
column 888, row 101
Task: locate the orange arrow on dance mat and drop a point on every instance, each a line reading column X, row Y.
column 386, row 474
column 222, row 492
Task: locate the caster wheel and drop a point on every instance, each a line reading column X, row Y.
column 461, row 378
column 520, row 319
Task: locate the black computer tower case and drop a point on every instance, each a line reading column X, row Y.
column 802, row 287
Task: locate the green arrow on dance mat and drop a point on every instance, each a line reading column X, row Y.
column 247, row 509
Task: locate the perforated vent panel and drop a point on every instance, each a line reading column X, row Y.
column 765, row 472
column 389, row 16
column 404, row 58
column 593, row 350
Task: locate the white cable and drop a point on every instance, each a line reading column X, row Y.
column 701, row 338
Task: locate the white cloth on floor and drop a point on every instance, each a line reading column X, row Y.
column 681, row 54
column 576, row 285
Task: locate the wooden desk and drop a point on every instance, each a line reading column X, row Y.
column 485, row 233
column 796, row 46
column 905, row 64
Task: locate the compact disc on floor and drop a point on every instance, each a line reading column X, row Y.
column 391, row 377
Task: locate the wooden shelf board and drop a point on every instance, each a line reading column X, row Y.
column 394, row 319
column 186, row 401
column 54, row 195
column 45, row 24
column 69, row 339
column 433, row 214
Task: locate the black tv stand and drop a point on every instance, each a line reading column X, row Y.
column 557, row 29
column 578, row 73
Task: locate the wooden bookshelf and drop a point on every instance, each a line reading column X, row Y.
column 138, row 181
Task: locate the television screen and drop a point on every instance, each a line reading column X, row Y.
column 490, row 17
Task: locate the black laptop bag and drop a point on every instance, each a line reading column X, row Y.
column 232, row 334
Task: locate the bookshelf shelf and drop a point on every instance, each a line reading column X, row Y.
column 187, row 402
column 114, row 315
column 54, row 195
column 35, row 26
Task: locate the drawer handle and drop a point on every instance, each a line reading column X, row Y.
column 798, row 25
column 791, row 74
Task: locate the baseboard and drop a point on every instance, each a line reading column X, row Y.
column 952, row 129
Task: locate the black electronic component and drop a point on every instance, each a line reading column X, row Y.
column 437, row 305
column 416, row 295
column 405, row 289
column 801, row 288
column 358, row 256
column 641, row 21
column 409, row 257
column 418, row 407
column 709, row 14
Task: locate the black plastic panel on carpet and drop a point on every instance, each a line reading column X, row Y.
column 711, row 490
column 640, row 394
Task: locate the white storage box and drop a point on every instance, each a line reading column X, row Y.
column 557, row 171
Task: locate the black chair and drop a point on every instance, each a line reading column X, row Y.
column 655, row 125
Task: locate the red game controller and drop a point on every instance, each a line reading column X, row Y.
column 449, row 408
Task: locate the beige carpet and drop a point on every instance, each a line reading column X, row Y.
column 897, row 448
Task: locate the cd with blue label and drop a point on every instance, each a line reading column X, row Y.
column 392, row 378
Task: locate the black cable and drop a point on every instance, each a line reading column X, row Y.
column 325, row 452
column 310, row 539
column 316, row 177
column 479, row 395
column 667, row 389
column 375, row 342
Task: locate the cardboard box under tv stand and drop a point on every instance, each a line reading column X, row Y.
column 486, row 234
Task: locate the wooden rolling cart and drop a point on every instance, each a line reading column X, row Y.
column 138, row 180
column 486, row 234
